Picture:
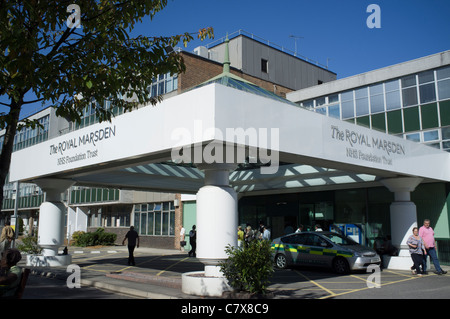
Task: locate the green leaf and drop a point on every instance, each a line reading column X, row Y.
column 89, row 84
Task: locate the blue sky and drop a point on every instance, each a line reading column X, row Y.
column 333, row 31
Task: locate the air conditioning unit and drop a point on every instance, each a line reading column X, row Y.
column 201, row 51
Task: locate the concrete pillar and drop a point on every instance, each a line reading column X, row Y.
column 216, row 228
column 51, row 224
column 403, row 219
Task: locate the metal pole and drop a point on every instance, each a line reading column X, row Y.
column 15, row 216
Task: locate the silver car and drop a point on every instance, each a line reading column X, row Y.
column 324, row 249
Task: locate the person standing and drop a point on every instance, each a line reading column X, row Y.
column 240, row 238
column 6, row 237
column 417, row 250
column 193, row 241
column 133, row 242
column 427, row 233
column 266, row 233
column 182, row 239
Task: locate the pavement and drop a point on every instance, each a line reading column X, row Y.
column 157, row 275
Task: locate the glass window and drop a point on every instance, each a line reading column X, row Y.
column 430, row 136
column 143, row 227
column 446, row 145
column 347, row 96
column 172, row 224
column 409, row 96
column 444, row 89
column 393, row 100
column 333, row 98
column 158, row 223
column 360, row 93
column 446, row 133
column 362, row 106
column 320, row 101
column 408, row 81
column 376, row 89
column 308, row 104
column 377, row 103
column 391, row 85
column 348, row 109
column 425, row 77
column 427, row 93
column 334, row 111
column 150, row 223
column 413, row 137
column 443, row 73
column 322, row 110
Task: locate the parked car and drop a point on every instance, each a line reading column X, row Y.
column 323, row 249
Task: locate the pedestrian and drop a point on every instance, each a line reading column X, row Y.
column 299, row 229
column 417, row 250
column 240, row 237
column 318, row 227
column 427, row 233
column 261, row 226
column 182, row 239
column 133, row 242
column 266, row 233
column 249, row 235
column 6, row 237
column 193, row 241
column 10, row 273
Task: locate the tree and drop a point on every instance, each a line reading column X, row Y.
column 68, row 55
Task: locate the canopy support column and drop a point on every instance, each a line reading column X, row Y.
column 403, row 219
column 51, row 224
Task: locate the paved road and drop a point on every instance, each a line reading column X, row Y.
column 51, row 288
column 97, row 265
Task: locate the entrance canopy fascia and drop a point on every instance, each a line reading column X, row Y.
column 306, row 150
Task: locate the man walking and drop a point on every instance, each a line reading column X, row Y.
column 427, row 234
column 193, row 241
column 133, row 241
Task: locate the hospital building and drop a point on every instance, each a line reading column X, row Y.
column 367, row 155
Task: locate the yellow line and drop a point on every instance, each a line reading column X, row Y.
column 318, row 285
column 356, row 290
column 365, row 279
column 162, row 271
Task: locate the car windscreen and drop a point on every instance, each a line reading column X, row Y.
column 340, row 240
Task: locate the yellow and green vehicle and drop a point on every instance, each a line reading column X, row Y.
column 322, row 249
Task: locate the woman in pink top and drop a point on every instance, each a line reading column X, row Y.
column 427, row 234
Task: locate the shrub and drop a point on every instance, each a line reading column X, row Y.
column 99, row 237
column 249, row 269
column 29, row 245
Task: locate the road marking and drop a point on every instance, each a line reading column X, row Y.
column 317, row 284
column 162, row 271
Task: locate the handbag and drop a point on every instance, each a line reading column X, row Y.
column 183, row 243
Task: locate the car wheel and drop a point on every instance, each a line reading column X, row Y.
column 281, row 261
column 340, row 266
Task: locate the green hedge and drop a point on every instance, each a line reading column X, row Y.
column 99, row 237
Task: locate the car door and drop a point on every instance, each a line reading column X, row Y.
column 290, row 244
column 313, row 251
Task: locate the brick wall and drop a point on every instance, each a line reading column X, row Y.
column 199, row 70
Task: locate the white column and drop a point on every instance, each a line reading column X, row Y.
column 216, row 217
column 403, row 218
column 51, row 222
column 216, row 228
